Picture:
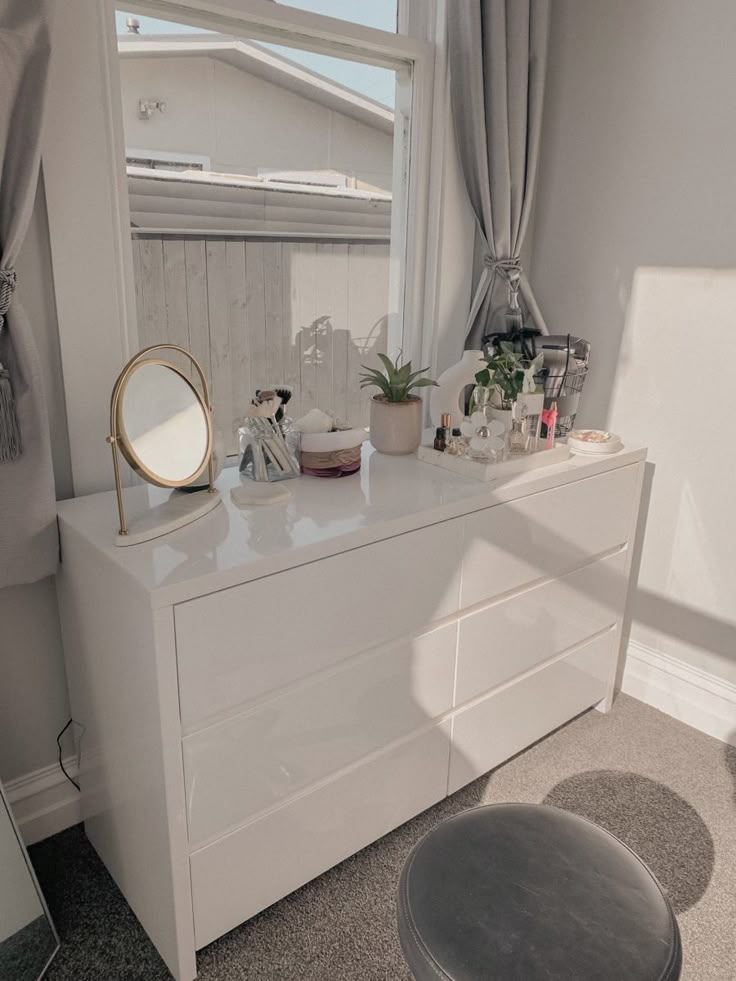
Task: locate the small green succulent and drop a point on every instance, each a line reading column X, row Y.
column 397, row 381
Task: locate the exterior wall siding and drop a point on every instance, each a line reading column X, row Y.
column 262, row 313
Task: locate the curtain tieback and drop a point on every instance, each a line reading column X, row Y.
column 509, row 268
column 8, row 282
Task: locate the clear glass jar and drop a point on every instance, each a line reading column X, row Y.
column 267, row 453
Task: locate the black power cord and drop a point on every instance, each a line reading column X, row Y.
column 61, row 762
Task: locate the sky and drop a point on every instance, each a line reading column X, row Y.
column 376, row 83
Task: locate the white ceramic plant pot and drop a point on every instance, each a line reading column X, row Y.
column 396, row 427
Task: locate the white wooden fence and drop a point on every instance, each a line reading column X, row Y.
column 263, row 313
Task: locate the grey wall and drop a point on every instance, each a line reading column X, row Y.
column 635, row 248
column 33, row 696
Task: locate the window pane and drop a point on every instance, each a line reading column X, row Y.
column 261, row 187
column 370, row 13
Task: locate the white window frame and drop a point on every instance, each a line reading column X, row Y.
column 168, row 156
column 86, row 187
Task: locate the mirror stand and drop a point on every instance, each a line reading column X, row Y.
column 175, row 512
column 178, row 509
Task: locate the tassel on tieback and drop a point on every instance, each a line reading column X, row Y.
column 10, row 446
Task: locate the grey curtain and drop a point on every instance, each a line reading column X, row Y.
column 28, row 538
column 498, row 54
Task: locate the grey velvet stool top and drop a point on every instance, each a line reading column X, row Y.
column 522, row 892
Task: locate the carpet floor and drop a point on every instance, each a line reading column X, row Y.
column 665, row 789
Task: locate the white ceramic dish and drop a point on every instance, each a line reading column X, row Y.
column 606, row 443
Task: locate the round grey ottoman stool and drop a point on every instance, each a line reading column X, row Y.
column 523, row 892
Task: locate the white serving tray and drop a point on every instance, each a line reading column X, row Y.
column 494, row 471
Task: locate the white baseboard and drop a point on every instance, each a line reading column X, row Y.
column 44, row 802
column 696, row 697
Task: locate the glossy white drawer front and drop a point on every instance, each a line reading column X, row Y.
column 510, row 637
column 237, row 768
column 248, row 870
column 547, row 534
column 490, row 731
column 238, row 644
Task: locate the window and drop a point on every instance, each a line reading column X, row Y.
column 373, row 13
column 267, row 196
column 90, row 209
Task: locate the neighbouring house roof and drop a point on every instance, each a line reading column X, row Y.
column 257, row 60
column 205, row 201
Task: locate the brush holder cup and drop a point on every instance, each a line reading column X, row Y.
column 267, row 454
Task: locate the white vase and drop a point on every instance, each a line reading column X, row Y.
column 452, row 384
column 396, row 427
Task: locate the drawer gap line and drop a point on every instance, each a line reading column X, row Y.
column 440, row 720
column 535, row 669
column 247, row 708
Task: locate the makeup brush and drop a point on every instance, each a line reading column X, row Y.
column 283, row 392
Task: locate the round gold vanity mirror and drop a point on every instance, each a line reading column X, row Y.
column 161, row 425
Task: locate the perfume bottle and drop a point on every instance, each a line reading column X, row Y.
column 454, row 443
column 518, row 438
column 440, row 443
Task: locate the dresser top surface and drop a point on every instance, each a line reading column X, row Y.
column 230, row 545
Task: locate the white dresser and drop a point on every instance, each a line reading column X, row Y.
column 267, row 691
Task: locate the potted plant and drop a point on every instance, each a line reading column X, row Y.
column 503, row 381
column 396, row 414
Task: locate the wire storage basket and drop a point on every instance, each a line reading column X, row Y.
column 566, row 360
column 565, row 368
column 564, row 388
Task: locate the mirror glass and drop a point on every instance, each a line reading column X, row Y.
column 27, row 938
column 163, row 423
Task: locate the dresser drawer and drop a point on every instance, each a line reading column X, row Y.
column 546, row 534
column 238, row 644
column 237, row 768
column 490, row 731
column 513, row 635
column 248, row 870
